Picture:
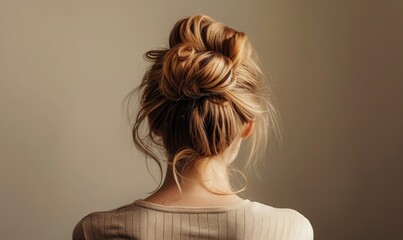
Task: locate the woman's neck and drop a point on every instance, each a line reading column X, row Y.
column 197, row 189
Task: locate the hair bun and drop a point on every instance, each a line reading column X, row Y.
column 189, row 72
column 210, row 35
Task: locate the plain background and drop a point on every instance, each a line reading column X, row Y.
column 336, row 69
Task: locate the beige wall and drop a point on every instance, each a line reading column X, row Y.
column 65, row 147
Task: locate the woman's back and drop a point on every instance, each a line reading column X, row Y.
column 144, row 220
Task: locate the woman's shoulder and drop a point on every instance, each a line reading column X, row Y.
column 97, row 214
column 94, row 222
column 277, row 211
column 286, row 218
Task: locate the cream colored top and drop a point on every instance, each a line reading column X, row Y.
column 144, row 220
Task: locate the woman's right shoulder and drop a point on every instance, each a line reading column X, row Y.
column 290, row 220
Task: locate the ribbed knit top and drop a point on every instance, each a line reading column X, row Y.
column 144, row 220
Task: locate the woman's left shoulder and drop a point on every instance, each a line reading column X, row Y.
column 94, row 223
column 78, row 232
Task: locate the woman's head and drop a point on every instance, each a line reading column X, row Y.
column 201, row 95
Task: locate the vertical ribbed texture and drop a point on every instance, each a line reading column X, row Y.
column 246, row 221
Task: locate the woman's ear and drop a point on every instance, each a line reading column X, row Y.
column 248, row 129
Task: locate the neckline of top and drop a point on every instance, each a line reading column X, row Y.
column 189, row 209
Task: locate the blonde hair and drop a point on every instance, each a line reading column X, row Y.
column 197, row 94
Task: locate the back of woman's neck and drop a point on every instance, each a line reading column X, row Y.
column 194, row 193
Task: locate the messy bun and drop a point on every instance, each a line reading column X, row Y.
column 197, row 94
column 191, row 72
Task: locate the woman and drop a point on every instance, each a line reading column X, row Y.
column 200, row 99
